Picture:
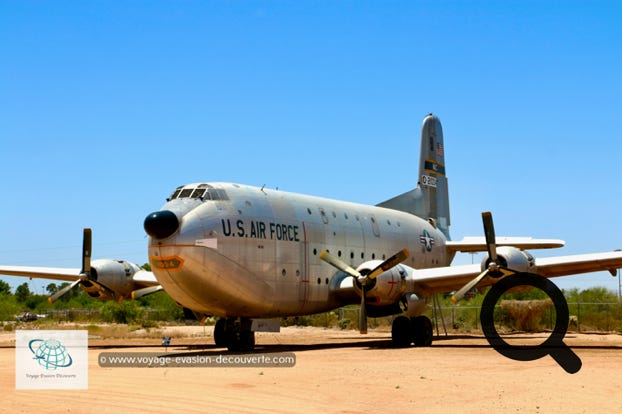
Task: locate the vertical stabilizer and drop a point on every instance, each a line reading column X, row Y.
column 430, row 200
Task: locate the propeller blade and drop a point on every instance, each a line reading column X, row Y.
column 489, row 232
column 339, row 264
column 139, row 293
column 394, row 260
column 63, row 291
column 363, row 313
column 86, row 252
column 463, row 291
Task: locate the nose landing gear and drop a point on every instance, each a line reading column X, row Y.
column 417, row 330
column 235, row 334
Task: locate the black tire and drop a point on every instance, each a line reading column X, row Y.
column 220, row 337
column 401, row 336
column 422, row 330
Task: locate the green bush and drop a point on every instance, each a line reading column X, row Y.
column 127, row 312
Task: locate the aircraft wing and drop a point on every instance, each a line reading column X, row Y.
column 141, row 278
column 581, row 263
column 145, row 278
column 478, row 244
column 54, row 273
column 450, row 278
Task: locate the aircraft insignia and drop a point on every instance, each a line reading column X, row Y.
column 427, row 240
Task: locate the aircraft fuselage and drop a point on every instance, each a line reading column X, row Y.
column 242, row 251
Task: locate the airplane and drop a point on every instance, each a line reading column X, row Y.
column 250, row 255
column 102, row 279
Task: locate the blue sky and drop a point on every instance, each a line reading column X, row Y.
column 106, row 107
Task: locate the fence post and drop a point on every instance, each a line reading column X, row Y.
column 578, row 317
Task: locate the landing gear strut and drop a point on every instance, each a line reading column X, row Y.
column 235, row 334
column 417, row 330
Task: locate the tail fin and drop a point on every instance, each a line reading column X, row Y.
column 430, row 200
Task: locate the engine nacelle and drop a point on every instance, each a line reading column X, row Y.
column 110, row 279
column 387, row 288
column 512, row 258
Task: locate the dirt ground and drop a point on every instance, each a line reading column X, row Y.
column 335, row 372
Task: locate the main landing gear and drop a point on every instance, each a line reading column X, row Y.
column 417, row 330
column 235, row 334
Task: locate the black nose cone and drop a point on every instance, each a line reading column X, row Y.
column 161, row 224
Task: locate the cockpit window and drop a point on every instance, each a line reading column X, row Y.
column 202, row 191
column 185, row 193
column 216, row 194
column 175, row 193
column 198, row 193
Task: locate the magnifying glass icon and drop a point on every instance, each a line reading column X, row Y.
column 553, row 346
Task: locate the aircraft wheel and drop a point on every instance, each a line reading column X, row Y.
column 220, row 337
column 238, row 335
column 422, row 330
column 247, row 341
column 401, row 332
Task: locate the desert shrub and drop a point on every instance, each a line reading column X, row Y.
column 127, row 312
column 524, row 315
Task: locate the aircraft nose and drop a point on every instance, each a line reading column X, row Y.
column 161, row 224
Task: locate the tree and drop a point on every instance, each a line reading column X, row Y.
column 5, row 288
column 52, row 288
column 22, row 292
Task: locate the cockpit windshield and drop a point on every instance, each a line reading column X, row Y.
column 200, row 191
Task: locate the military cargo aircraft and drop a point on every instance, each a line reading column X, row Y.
column 250, row 255
column 244, row 253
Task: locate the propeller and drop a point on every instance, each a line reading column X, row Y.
column 85, row 272
column 493, row 266
column 364, row 279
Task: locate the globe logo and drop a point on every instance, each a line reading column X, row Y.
column 50, row 353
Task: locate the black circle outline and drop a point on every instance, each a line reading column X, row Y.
column 554, row 345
